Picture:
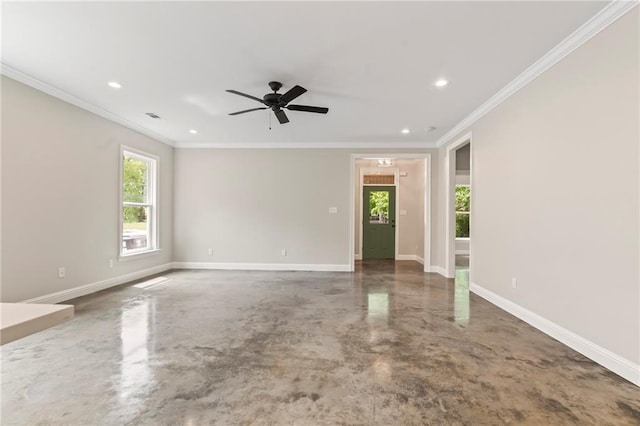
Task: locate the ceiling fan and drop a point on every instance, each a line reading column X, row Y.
column 277, row 101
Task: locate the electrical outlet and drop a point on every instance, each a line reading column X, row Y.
column 111, row 263
column 514, row 283
column 61, row 272
column 284, row 252
column 210, row 251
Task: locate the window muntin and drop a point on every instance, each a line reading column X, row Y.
column 138, row 222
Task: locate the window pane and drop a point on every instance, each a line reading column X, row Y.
column 379, row 207
column 134, row 180
column 135, row 228
column 462, row 225
column 463, row 198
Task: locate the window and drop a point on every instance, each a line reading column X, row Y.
column 138, row 224
column 463, row 203
column 378, row 207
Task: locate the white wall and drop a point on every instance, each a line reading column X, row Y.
column 556, row 193
column 248, row 204
column 60, row 195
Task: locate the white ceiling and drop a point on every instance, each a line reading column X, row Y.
column 372, row 63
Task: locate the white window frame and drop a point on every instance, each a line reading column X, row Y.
column 467, row 213
column 152, row 203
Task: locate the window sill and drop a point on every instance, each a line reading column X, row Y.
column 134, row 256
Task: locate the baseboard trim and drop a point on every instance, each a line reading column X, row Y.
column 413, row 257
column 438, row 270
column 619, row 365
column 263, row 266
column 83, row 290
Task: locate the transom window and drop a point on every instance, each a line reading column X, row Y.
column 138, row 225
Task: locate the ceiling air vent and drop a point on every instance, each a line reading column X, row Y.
column 152, row 114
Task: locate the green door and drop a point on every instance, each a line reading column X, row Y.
column 379, row 222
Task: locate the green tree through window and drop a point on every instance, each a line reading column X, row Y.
column 463, row 204
column 139, row 213
column 134, row 184
column 379, row 205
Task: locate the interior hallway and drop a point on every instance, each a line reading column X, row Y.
column 387, row 344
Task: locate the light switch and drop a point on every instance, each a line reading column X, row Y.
column 403, row 212
column 404, row 174
column 333, row 210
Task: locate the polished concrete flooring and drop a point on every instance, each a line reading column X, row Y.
column 386, row 345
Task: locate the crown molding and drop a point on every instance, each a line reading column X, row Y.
column 40, row 85
column 607, row 16
column 308, row 145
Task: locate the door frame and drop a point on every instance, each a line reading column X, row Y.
column 450, row 207
column 426, row 157
column 396, row 176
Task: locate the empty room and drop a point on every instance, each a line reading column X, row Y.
column 320, row 213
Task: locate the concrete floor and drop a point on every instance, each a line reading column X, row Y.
column 385, row 345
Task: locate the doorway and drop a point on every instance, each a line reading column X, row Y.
column 379, row 222
column 459, row 207
column 411, row 174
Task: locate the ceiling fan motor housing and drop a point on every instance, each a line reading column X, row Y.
column 271, row 99
column 275, row 85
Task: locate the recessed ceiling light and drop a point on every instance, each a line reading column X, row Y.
column 193, row 131
column 442, row 82
column 406, row 131
column 115, row 84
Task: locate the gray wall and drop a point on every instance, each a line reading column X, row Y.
column 463, row 158
column 556, row 193
column 249, row 204
column 60, row 195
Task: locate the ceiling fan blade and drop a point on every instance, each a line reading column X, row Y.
column 235, row 92
column 247, row 110
column 305, row 108
column 281, row 116
column 291, row 95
